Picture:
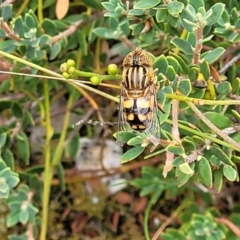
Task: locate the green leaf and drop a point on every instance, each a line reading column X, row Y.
column 218, row 179
column 23, row 147
column 18, row 26
column 185, row 87
column 17, row 110
column 193, row 73
column 205, row 70
column 230, row 173
column 55, row 50
column 8, row 158
column 221, row 155
column 161, row 63
column 8, row 46
column 188, row 18
column 181, row 62
column 132, row 154
column 183, row 45
column 217, row 11
column 213, row 55
column 178, row 150
column 205, row 172
column 197, row 4
column 23, row 216
column 143, row 4
column 173, row 62
column 188, row 144
column 224, row 88
column 7, row 12
column 72, row 147
column 135, row 141
column 49, row 27
column 174, row 8
column 182, row 178
column 109, row 6
column 161, row 15
column 171, row 74
column 185, row 168
column 3, row 139
column 106, row 33
column 13, row 181
column 29, row 21
column 93, row 4
column 12, row 219
column 124, row 136
column 219, row 120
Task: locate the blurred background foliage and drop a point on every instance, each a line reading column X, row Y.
column 58, row 66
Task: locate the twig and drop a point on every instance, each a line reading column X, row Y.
column 94, row 123
column 72, row 28
column 8, row 31
column 229, row 64
column 163, row 226
column 230, row 225
column 7, row 2
column 198, row 47
column 213, row 127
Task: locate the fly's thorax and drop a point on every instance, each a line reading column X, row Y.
column 138, row 77
column 138, row 57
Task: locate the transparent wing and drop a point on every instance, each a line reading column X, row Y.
column 122, row 124
column 153, row 132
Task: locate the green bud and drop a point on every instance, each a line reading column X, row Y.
column 71, row 70
column 66, row 75
column 112, row 69
column 95, row 80
column 71, row 63
column 63, row 67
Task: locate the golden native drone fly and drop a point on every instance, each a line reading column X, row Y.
column 138, row 101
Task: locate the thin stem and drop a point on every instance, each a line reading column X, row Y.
column 22, row 8
column 48, row 170
column 229, row 64
column 40, row 11
column 203, row 101
column 60, row 146
column 146, row 217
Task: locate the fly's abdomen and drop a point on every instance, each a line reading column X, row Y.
column 137, row 113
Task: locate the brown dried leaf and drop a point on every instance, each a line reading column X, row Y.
column 141, row 205
column 214, row 74
column 62, row 7
column 123, row 198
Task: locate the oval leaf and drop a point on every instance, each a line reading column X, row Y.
column 217, row 11
column 132, row 154
column 161, row 63
column 185, row 168
column 230, row 173
column 218, row 179
column 23, row 147
column 221, row 155
column 178, row 150
column 143, row 4
column 205, row 172
column 183, row 45
column 213, row 55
